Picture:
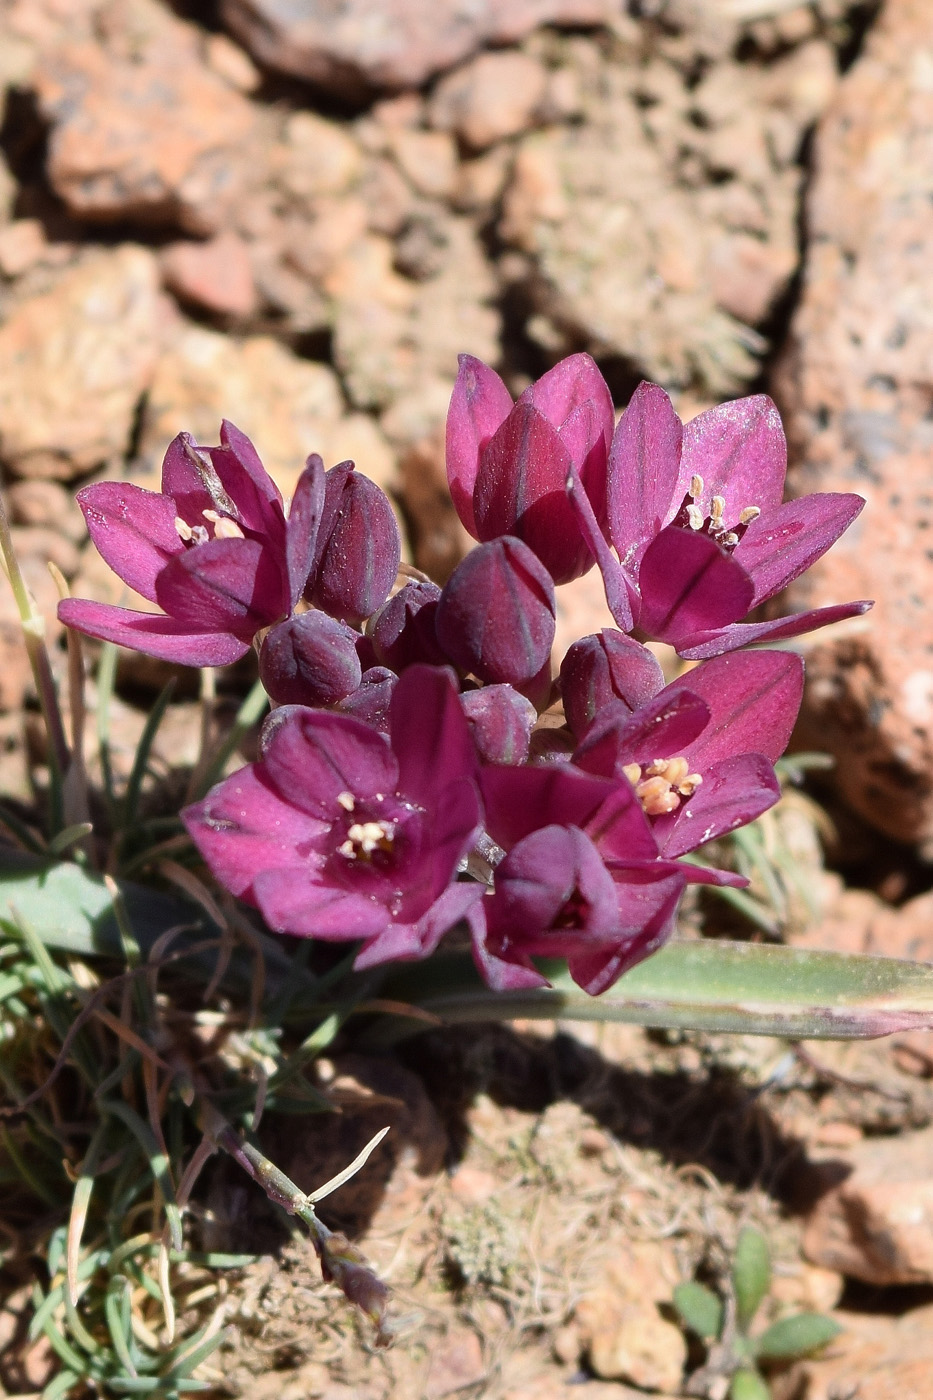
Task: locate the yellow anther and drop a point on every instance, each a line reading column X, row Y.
column 748, row 514
column 346, row 800
column 695, row 517
column 633, row 772
column 696, row 486
column 183, row 530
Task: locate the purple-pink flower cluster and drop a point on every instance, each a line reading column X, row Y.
column 405, row 784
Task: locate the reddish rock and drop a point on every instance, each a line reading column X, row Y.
column 492, row 97
column 855, row 385
column 350, row 47
column 22, row 245
column 748, row 274
column 875, row 1222
column 216, row 275
column 289, row 406
column 74, row 363
column 148, row 134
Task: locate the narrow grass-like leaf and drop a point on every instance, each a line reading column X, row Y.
column 712, row 985
column 158, row 1162
column 250, row 712
column 140, row 767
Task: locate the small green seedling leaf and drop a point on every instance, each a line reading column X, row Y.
column 748, row 1385
column 699, row 1309
column 751, row 1274
column 796, row 1336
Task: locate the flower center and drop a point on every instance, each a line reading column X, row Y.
column 692, row 516
column 367, row 839
column 224, row 528
column 663, row 784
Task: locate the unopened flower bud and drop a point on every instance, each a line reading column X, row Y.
column 309, row 660
column 358, row 547
column 602, row 667
column 501, row 721
column 403, row 632
column 496, row 614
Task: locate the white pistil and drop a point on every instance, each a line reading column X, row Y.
column 224, row 527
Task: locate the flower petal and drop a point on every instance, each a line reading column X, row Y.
column 644, row 462
column 740, row 634
column 688, row 586
column 402, row 942
column 733, row 792
column 151, row 633
column 753, row 698
column 621, row 594
column 133, row 530
column 243, row 826
column 257, row 498
column 572, row 382
column 520, row 800
column 430, row 734
column 646, row 904
column 661, row 728
column 292, row 901
column 740, row 451
column 233, row 585
column 312, row 757
column 480, row 402
column 301, row 529
column 778, row 546
column 183, row 470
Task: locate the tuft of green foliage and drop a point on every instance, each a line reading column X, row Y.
column 724, row 1324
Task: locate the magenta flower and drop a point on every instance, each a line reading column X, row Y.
column 213, row 549
column 582, row 878
column 700, row 755
column 696, row 518
column 337, row 833
column 507, row 464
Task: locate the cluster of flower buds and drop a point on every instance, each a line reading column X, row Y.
column 404, row 783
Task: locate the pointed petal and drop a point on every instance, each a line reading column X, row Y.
column 644, row 462
column 304, row 519
column 153, row 634
column 740, row 451
column 183, row 478
column 480, row 402
column 520, row 491
column 311, row 757
column 620, row 828
column 232, row 585
column 620, row 592
column 430, row 734
column 520, row 800
column 400, row 942
column 778, row 546
column 133, row 530
column 573, row 381
column 753, row 697
column 662, row 728
column 243, row 826
column 689, row 586
column 257, row 498
column 741, row 634
column 733, row 792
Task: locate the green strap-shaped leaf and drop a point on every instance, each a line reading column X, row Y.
column 709, row 985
